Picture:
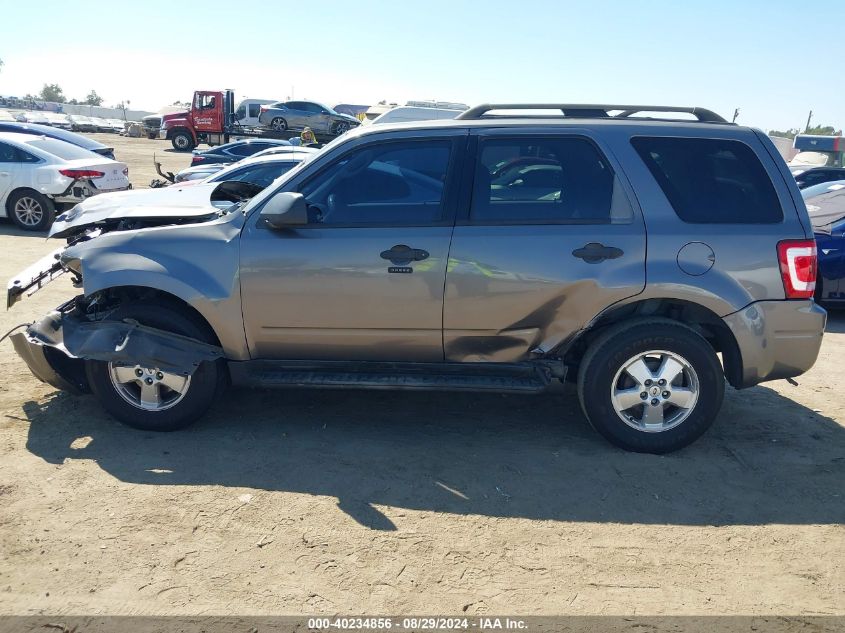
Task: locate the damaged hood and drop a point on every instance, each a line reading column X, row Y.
column 169, row 204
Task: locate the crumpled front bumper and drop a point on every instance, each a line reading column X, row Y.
column 35, row 357
column 55, row 347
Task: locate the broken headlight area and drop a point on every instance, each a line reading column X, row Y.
column 55, row 347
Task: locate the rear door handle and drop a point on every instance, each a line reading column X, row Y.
column 401, row 255
column 595, row 252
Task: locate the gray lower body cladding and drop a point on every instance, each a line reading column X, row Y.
column 777, row 339
column 774, row 339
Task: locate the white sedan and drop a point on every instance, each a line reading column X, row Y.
column 32, row 117
column 37, row 173
column 57, row 119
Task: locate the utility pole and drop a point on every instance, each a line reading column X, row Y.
column 809, row 118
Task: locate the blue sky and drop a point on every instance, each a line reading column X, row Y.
column 770, row 58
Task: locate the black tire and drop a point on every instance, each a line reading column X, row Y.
column 279, row 124
column 182, row 141
column 611, row 351
column 206, row 382
column 30, row 210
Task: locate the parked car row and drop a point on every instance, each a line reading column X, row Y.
column 74, row 122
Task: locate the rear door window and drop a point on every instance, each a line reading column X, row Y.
column 61, row 149
column 545, row 180
column 248, row 149
column 711, row 181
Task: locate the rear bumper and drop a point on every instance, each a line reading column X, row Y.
column 777, row 339
column 80, row 190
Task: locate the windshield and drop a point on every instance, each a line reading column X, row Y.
column 261, row 174
column 61, row 149
column 825, row 204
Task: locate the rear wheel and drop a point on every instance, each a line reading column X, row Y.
column 279, row 124
column 146, row 397
column 651, row 387
column 30, row 210
column 182, row 141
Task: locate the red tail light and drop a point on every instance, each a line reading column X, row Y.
column 798, row 266
column 81, row 173
column 197, row 159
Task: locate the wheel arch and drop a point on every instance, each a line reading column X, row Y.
column 17, row 190
column 171, row 132
column 700, row 318
column 130, row 293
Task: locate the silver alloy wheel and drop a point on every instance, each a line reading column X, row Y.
column 279, row 124
column 655, row 391
column 148, row 389
column 341, row 128
column 29, row 211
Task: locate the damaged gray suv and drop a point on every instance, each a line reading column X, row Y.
column 645, row 257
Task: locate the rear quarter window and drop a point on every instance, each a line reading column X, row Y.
column 711, row 181
column 63, row 150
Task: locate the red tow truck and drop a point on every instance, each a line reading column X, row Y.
column 211, row 120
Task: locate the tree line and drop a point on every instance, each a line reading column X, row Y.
column 54, row 93
column 821, row 130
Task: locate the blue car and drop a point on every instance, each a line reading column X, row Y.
column 63, row 135
column 826, row 206
column 234, row 151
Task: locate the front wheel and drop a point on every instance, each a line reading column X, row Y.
column 150, row 399
column 341, row 127
column 182, row 142
column 654, row 386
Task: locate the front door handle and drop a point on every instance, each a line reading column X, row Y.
column 594, row 252
column 402, row 255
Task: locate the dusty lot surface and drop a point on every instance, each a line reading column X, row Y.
column 363, row 502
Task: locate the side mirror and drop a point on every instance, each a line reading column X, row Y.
column 284, row 210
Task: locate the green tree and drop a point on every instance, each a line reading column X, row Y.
column 93, row 99
column 790, row 133
column 52, row 92
column 73, row 102
column 823, row 130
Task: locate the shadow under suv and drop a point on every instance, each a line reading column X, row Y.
column 492, row 252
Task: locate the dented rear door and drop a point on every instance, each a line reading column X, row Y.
column 549, row 236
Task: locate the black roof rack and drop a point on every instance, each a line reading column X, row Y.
column 591, row 111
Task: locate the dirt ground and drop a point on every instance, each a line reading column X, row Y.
column 322, row 502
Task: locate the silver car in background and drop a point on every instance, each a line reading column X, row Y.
column 297, row 115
